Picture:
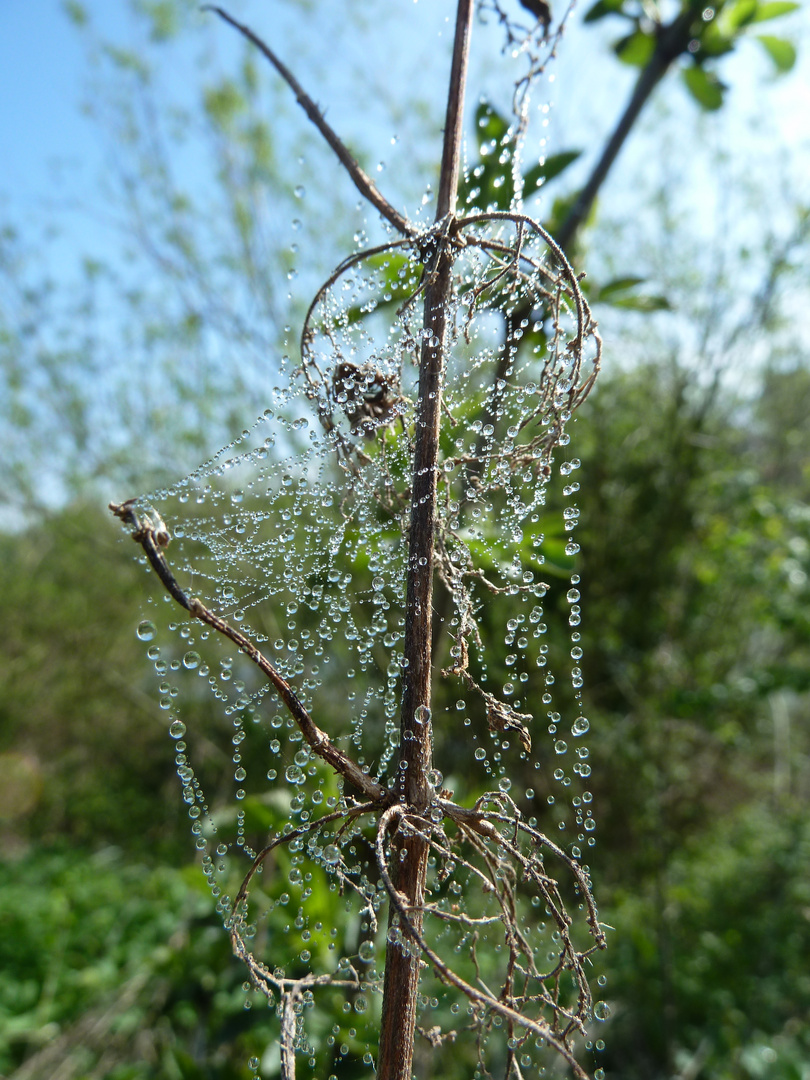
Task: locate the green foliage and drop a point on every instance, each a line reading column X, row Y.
column 97, row 755
column 622, row 293
column 695, row 567
column 489, row 184
column 76, row 12
column 783, row 53
column 108, row 964
column 705, row 87
column 711, row 954
column 698, row 34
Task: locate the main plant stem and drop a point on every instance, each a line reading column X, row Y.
column 402, row 961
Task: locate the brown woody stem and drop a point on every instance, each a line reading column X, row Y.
column 400, row 991
column 152, row 539
column 361, row 180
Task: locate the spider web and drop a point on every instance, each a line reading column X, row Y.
column 296, row 535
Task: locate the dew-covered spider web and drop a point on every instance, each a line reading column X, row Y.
column 276, row 629
column 296, row 537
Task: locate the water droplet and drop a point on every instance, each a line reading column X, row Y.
column 480, row 753
column 580, row 725
column 177, row 729
column 601, row 1011
column 146, row 630
column 560, row 747
column 422, row 714
column 191, row 660
column 299, row 191
column 331, row 854
column 366, row 951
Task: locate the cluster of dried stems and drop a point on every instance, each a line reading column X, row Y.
column 415, row 823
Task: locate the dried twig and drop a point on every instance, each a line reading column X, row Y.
column 362, row 181
column 488, row 1001
column 154, row 538
column 494, row 848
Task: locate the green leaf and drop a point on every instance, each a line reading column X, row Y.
column 551, row 167
column 735, row 16
column 490, row 127
column 774, row 9
column 641, row 303
column 602, row 8
column 713, row 42
column 164, row 17
column 490, row 183
column 128, row 60
column 635, row 49
column 783, row 53
column 76, row 12
column 488, row 186
column 619, row 293
column 223, row 103
column 393, row 280
column 618, row 285
column 705, row 87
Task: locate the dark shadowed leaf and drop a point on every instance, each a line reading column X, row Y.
column 641, row 303
column 602, row 8
column 551, row 167
column 490, row 126
column 620, row 292
column 618, row 285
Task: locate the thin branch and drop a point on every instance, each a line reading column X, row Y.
column 400, row 902
column 672, row 40
column 451, row 150
column 288, row 1025
column 294, row 834
column 361, row 180
column 153, row 538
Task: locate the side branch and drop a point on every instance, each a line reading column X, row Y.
column 361, row 180
column 672, row 41
column 400, row 902
column 153, row 537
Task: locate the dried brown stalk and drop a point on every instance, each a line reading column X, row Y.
column 411, row 815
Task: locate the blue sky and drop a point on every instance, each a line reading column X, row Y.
column 57, row 164
column 53, row 156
